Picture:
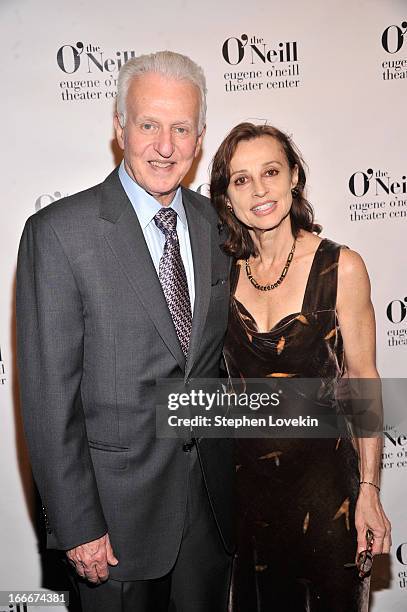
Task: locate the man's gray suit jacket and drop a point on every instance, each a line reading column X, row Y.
column 94, row 333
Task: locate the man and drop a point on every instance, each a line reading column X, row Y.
column 108, row 280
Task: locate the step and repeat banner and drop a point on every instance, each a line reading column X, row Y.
column 331, row 74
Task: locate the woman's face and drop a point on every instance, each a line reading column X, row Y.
column 260, row 183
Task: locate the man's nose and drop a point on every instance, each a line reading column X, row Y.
column 164, row 144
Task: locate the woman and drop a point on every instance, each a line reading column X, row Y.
column 300, row 307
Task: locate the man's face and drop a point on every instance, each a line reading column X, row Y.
column 160, row 139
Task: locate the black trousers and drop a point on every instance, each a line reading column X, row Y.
column 199, row 580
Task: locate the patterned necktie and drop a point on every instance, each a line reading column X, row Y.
column 172, row 277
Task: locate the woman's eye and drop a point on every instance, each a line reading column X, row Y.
column 271, row 172
column 240, row 180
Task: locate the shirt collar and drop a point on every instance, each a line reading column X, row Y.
column 145, row 205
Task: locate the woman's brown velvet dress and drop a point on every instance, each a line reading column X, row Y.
column 296, row 497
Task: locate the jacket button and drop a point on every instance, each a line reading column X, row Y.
column 188, row 446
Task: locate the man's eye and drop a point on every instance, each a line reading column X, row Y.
column 181, row 130
column 147, row 127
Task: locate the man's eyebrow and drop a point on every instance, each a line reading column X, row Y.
column 156, row 120
column 147, row 118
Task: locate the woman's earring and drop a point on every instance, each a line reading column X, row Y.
column 294, row 192
column 229, row 206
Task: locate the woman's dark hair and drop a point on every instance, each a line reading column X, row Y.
column 239, row 243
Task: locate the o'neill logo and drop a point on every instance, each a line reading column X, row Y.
column 2, row 371
column 401, row 553
column 267, row 65
column 47, row 198
column 235, row 49
column 396, row 313
column 394, row 41
column 378, row 181
column 71, row 57
column 401, row 556
column 99, row 71
column 388, row 195
column 394, row 455
column 393, row 37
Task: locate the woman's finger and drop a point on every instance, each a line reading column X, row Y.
column 378, row 539
column 387, row 537
column 361, row 532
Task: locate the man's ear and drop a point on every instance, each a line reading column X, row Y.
column 119, row 129
column 199, row 141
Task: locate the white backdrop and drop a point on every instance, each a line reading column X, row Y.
column 333, row 74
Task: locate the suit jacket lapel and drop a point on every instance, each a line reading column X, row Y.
column 126, row 240
column 200, row 237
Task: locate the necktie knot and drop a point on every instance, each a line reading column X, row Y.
column 166, row 221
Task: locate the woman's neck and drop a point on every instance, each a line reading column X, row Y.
column 273, row 245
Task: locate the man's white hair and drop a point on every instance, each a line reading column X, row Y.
column 167, row 63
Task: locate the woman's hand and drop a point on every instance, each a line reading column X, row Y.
column 369, row 514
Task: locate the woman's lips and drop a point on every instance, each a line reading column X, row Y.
column 266, row 208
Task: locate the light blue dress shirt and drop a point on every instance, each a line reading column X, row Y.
column 146, row 207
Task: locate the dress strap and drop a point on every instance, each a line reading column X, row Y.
column 322, row 285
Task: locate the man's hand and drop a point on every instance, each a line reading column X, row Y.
column 91, row 560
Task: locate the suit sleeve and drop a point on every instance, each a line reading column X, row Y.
column 50, row 330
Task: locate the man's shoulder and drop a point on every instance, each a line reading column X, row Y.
column 205, row 205
column 78, row 205
column 198, row 196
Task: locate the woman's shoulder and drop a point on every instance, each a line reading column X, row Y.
column 353, row 280
column 351, row 264
column 349, row 259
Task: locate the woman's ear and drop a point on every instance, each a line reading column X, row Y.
column 294, row 177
